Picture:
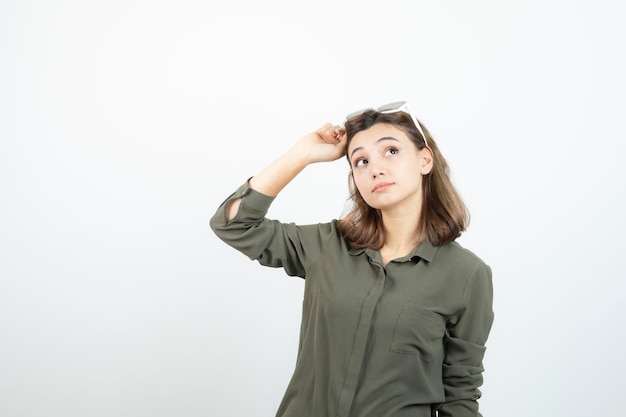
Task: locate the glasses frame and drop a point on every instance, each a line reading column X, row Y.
column 396, row 106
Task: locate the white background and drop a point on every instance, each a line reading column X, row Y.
column 124, row 124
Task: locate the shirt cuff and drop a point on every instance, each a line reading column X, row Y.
column 253, row 199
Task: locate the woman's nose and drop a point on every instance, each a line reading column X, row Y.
column 376, row 168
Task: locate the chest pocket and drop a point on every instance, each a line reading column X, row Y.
column 418, row 332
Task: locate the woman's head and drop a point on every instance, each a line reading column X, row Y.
column 397, row 149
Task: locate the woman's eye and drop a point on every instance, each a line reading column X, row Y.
column 360, row 162
column 391, row 151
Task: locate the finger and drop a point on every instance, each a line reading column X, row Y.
column 324, row 132
column 342, row 144
column 335, row 131
column 339, row 132
column 329, row 133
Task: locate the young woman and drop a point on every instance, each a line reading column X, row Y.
column 396, row 313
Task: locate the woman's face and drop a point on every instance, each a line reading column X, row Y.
column 387, row 168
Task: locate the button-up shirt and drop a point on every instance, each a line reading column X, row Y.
column 396, row 340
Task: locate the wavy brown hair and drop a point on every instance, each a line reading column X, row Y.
column 444, row 215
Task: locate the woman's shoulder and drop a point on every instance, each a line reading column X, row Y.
column 454, row 253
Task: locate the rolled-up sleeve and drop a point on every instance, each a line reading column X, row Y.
column 465, row 347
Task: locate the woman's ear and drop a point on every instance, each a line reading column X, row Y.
column 426, row 161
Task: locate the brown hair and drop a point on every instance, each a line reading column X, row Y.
column 444, row 215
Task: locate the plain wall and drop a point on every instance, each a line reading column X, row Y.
column 124, row 124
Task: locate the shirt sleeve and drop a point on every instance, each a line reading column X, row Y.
column 270, row 242
column 465, row 347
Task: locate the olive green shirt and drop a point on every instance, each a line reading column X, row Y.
column 396, row 340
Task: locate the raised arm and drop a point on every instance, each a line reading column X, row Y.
column 327, row 143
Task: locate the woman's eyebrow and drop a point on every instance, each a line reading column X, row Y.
column 378, row 141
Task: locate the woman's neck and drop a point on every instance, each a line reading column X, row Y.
column 401, row 234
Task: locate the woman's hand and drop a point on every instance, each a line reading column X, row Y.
column 325, row 144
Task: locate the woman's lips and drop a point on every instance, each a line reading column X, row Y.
column 381, row 187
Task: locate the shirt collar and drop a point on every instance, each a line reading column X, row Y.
column 424, row 250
